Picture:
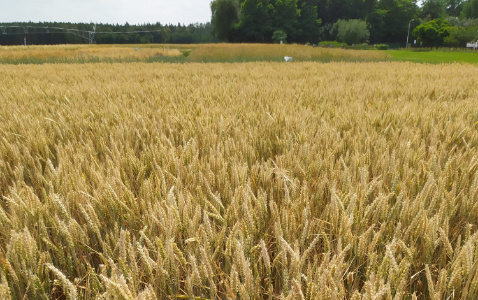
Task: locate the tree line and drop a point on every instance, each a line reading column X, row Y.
column 47, row 33
column 433, row 24
column 353, row 21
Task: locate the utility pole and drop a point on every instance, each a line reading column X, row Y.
column 408, row 33
column 91, row 34
column 25, row 31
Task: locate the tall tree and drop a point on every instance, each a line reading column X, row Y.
column 377, row 26
column 352, row 31
column 286, row 17
column 256, row 21
column 397, row 17
column 224, row 16
column 322, row 10
column 470, row 9
column 309, row 24
column 330, row 11
column 337, row 9
column 359, row 9
column 453, row 7
column 433, row 9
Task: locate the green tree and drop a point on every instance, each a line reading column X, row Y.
column 322, row 11
column 337, row 9
column 329, row 11
column 286, row 17
column 434, row 9
column 433, row 33
column 224, row 16
column 309, row 24
column 256, row 21
column 279, row 36
column 377, row 26
column 398, row 15
column 470, row 9
column 460, row 36
column 352, row 31
column 108, row 33
column 462, row 22
column 359, row 9
column 453, row 7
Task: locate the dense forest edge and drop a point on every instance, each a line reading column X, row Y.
column 433, row 23
column 54, row 33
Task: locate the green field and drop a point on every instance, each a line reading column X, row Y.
column 434, row 57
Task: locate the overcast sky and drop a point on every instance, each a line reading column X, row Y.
column 106, row 11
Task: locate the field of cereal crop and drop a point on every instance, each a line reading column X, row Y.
column 239, row 181
column 73, row 54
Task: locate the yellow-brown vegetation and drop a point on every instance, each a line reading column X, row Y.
column 239, row 181
column 86, row 52
column 268, row 51
column 194, row 53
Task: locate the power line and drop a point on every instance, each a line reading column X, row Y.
column 86, row 34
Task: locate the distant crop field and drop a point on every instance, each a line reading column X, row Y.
column 239, row 181
column 84, row 53
column 222, row 53
column 181, row 53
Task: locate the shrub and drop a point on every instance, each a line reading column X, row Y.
column 186, row 53
column 382, row 47
column 279, row 35
column 351, row 31
column 332, row 44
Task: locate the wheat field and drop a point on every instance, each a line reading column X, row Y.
column 274, row 52
column 239, row 181
column 73, row 53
